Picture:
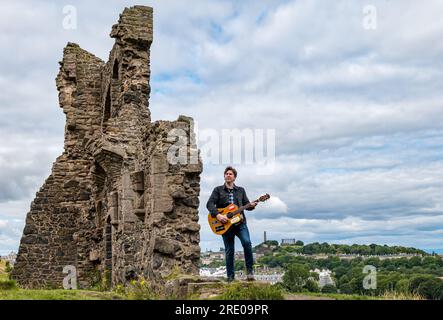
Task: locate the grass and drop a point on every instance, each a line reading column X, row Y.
column 256, row 291
column 388, row 295
column 393, row 295
column 337, row 296
column 250, row 291
column 9, row 291
column 22, row 294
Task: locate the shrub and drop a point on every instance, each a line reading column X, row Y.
column 7, row 284
column 329, row 288
column 252, row 292
column 139, row 290
column 99, row 280
column 346, row 288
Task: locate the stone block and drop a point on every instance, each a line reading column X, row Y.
column 166, row 246
column 160, row 164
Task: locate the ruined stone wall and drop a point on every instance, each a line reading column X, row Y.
column 62, row 208
column 115, row 203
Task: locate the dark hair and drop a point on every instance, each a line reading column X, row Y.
column 231, row 169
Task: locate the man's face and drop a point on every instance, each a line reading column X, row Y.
column 229, row 176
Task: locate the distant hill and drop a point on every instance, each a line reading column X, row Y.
column 326, row 248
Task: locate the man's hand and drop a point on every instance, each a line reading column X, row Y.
column 222, row 218
column 253, row 204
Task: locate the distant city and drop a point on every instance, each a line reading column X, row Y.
column 212, row 262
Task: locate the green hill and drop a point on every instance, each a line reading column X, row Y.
column 326, row 248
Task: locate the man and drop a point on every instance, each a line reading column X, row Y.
column 221, row 197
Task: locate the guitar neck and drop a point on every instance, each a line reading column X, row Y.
column 243, row 207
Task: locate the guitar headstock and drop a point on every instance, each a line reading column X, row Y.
column 264, row 197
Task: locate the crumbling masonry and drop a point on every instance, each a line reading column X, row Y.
column 115, row 202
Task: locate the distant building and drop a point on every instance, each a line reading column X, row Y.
column 269, row 278
column 288, row 242
column 324, row 277
column 213, row 272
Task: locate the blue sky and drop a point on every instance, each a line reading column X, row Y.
column 358, row 113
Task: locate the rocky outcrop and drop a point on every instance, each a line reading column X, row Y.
column 122, row 199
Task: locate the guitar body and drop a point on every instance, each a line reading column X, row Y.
column 233, row 213
column 220, row 228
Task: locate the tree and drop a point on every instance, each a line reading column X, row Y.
column 430, row 289
column 299, row 243
column 417, row 280
column 295, row 277
column 357, row 284
column 415, row 262
column 342, row 280
column 340, row 271
column 311, row 285
column 403, row 286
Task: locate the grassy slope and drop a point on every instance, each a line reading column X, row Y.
column 22, row 294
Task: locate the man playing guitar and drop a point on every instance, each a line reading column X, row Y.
column 222, row 196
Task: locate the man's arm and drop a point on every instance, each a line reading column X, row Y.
column 246, row 201
column 211, row 205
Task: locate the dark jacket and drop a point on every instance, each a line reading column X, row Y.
column 220, row 199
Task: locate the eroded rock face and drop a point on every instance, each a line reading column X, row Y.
column 115, row 202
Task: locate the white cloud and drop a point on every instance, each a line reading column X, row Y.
column 275, row 205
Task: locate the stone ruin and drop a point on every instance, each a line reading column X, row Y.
column 116, row 202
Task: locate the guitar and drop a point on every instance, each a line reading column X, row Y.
column 233, row 213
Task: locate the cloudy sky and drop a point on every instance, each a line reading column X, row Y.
column 354, row 97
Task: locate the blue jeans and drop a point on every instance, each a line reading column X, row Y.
column 242, row 232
